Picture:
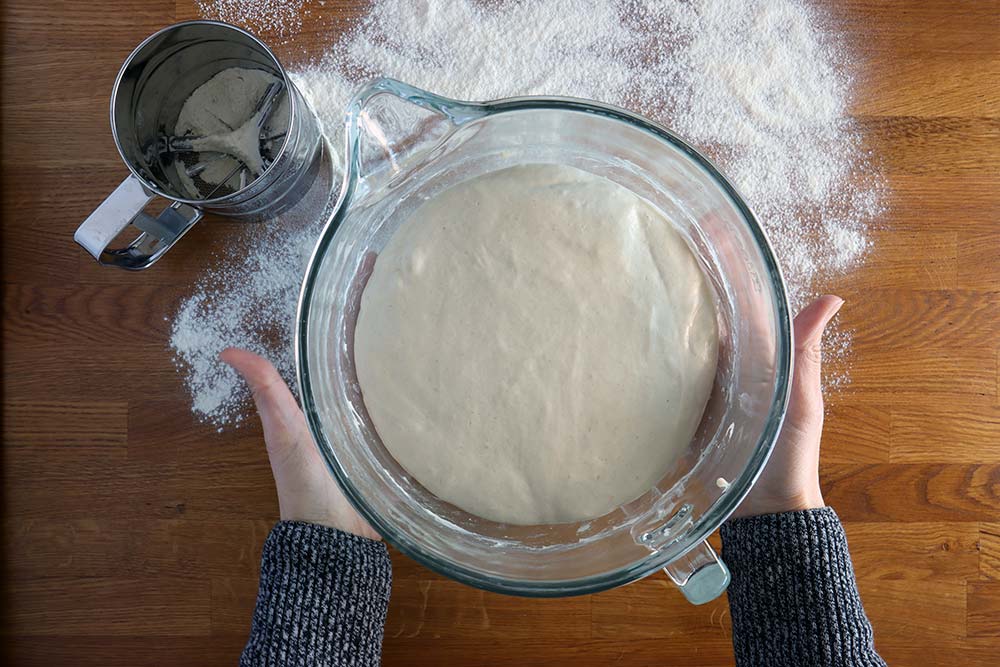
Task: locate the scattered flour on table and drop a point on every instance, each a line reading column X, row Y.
column 836, row 357
column 269, row 19
column 762, row 87
column 249, row 304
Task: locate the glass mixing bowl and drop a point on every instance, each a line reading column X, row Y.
column 404, row 145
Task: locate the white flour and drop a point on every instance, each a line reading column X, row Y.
column 221, row 113
column 266, row 18
column 762, row 87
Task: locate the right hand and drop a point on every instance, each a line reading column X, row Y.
column 790, row 481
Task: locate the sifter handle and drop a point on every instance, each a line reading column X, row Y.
column 700, row 574
column 124, row 207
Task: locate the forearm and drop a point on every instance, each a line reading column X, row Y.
column 322, row 600
column 793, row 596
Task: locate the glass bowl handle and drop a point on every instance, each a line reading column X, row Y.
column 700, row 574
column 389, row 123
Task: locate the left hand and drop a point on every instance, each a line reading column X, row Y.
column 306, row 489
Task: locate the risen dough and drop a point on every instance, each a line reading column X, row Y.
column 536, row 345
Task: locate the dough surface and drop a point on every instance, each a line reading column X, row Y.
column 536, row 345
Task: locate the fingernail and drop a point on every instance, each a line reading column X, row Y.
column 834, row 310
column 840, row 302
column 222, row 357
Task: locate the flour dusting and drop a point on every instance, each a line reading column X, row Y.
column 762, row 87
column 268, row 19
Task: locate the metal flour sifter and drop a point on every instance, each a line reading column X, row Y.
column 262, row 165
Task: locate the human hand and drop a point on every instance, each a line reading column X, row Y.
column 306, row 490
column 790, row 481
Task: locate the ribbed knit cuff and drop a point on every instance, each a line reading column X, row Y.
column 322, row 601
column 793, row 596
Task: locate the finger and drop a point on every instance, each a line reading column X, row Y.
column 279, row 412
column 808, row 333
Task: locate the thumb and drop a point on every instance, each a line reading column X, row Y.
column 808, row 334
column 279, row 412
column 805, row 408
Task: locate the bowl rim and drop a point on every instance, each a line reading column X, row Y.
column 717, row 513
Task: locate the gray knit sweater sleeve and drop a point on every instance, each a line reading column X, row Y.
column 794, row 601
column 322, row 600
column 793, row 596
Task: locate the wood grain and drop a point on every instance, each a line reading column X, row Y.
column 927, row 432
column 901, row 610
column 434, row 607
column 109, row 606
column 98, row 650
column 943, row 202
column 910, row 261
column 915, row 551
column 135, row 548
column 989, row 554
column 913, row 492
column 861, row 431
column 131, row 533
column 901, row 375
column 547, row 649
column 53, row 427
column 979, row 259
column 925, row 318
column 984, row 608
column 927, row 86
column 904, row 653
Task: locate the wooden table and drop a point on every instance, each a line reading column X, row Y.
column 131, row 533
